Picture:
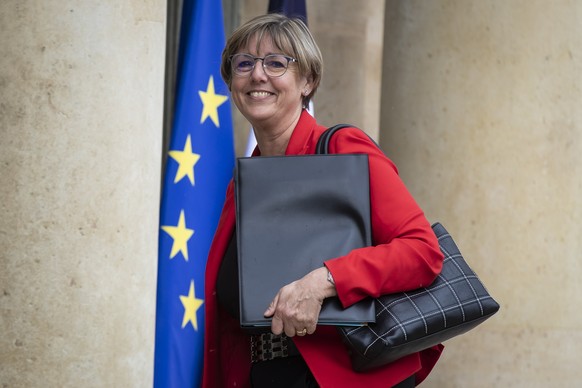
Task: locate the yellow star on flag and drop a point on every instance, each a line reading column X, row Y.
column 191, row 305
column 186, row 161
column 181, row 235
column 211, row 102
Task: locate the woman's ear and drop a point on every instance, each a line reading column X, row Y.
column 308, row 86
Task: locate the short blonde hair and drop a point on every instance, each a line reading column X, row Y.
column 290, row 35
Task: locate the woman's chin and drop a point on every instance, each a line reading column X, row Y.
column 258, row 115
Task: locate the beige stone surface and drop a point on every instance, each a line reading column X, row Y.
column 481, row 112
column 350, row 38
column 81, row 88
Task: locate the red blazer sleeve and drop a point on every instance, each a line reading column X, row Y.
column 405, row 254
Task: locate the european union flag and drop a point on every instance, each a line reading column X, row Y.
column 199, row 167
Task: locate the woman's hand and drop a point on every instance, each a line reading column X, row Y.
column 295, row 309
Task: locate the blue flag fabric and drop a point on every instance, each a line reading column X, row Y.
column 199, row 167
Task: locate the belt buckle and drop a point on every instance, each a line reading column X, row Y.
column 268, row 346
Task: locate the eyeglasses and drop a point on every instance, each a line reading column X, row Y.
column 275, row 65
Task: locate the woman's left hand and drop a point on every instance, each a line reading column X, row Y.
column 295, row 309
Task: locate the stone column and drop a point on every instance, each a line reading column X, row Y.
column 81, row 101
column 350, row 36
column 481, row 111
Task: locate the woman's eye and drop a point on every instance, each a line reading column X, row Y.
column 276, row 64
column 244, row 64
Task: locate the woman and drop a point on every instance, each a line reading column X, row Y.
column 273, row 68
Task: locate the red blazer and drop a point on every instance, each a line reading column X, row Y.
column 405, row 256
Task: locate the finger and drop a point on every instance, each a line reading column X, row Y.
column 276, row 325
column 290, row 331
column 271, row 309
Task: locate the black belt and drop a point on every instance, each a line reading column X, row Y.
column 269, row 346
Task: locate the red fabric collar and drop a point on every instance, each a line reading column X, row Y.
column 301, row 138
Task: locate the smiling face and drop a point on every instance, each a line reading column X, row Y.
column 269, row 103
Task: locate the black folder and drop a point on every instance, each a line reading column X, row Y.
column 292, row 214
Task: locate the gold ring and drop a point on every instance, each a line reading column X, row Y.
column 302, row 332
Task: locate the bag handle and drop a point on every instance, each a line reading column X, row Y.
column 322, row 146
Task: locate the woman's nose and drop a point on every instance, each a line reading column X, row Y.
column 258, row 72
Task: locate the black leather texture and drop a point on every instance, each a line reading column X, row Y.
column 292, row 214
column 408, row 322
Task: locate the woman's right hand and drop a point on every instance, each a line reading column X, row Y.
column 296, row 307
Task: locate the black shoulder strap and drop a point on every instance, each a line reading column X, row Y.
column 322, row 146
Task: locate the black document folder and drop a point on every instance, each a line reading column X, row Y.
column 293, row 213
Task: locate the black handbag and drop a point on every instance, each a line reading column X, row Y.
column 408, row 322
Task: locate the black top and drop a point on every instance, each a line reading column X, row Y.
column 227, row 290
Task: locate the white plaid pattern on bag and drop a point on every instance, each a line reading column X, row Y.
column 411, row 321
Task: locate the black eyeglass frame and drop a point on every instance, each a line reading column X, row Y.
column 255, row 59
